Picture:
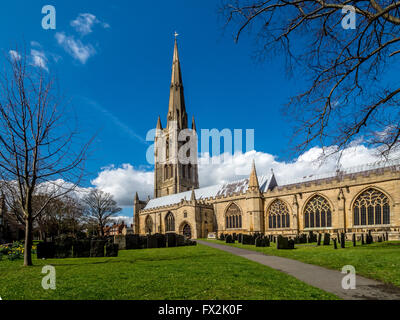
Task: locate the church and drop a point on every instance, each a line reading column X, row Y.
column 352, row 200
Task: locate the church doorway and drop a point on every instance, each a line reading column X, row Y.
column 187, row 231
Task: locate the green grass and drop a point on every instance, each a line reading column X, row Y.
column 191, row 273
column 380, row 261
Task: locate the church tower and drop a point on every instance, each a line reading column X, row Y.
column 175, row 147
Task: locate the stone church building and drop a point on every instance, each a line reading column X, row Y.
column 351, row 200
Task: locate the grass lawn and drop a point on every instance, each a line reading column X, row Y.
column 197, row 272
column 380, row 261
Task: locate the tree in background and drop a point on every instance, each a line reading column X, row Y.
column 38, row 148
column 100, row 207
column 349, row 95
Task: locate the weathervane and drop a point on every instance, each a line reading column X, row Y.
column 176, row 34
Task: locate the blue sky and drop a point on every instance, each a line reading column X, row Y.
column 119, row 81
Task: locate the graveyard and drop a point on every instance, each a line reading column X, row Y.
column 170, row 273
column 377, row 260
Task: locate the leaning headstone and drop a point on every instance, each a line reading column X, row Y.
column 240, row 238
column 362, row 238
column 111, row 249
column 354, row 239
column 319, row 239
column 97, row 248
column 335, row 243
column 81, row 248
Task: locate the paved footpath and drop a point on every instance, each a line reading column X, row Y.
column 319, row 277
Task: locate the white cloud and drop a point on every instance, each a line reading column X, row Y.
column 123, row 182
column 85, row 22
column 118, row 219
column 75, row 48
column 39, row 59
column 14, row 55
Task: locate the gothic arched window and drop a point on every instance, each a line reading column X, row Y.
column 278, row 215
column 371, row 207
column 169, row 222
column 149, row 225
column 317, row 213
column 233, row 217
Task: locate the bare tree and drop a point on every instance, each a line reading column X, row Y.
column 39, row 152
column 348, row 96
column 100, row 207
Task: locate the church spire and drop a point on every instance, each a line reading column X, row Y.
column 253, row 181
column 177, row 109
column 159, row 125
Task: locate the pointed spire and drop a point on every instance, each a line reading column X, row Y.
column 177, row 109
column 253, row 181
column 136, row 197
column 193, row 124
column 193, row 195
column 159, row 125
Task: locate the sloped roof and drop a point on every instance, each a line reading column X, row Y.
column 225, row 189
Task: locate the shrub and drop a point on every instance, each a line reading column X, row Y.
column 180, row 240
column 97, row 248
column 152, row 241
column 63, row 248
column 142, row 242
column 81, row 248
column 46, row 250
column 161, row 240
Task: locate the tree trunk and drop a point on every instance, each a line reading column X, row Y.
column 28, row 242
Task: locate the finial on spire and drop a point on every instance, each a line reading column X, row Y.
column 176, row 34
column 193, row 195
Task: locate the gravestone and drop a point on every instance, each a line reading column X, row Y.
column 112, row 249
column 171, row 239
column 327, row 239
